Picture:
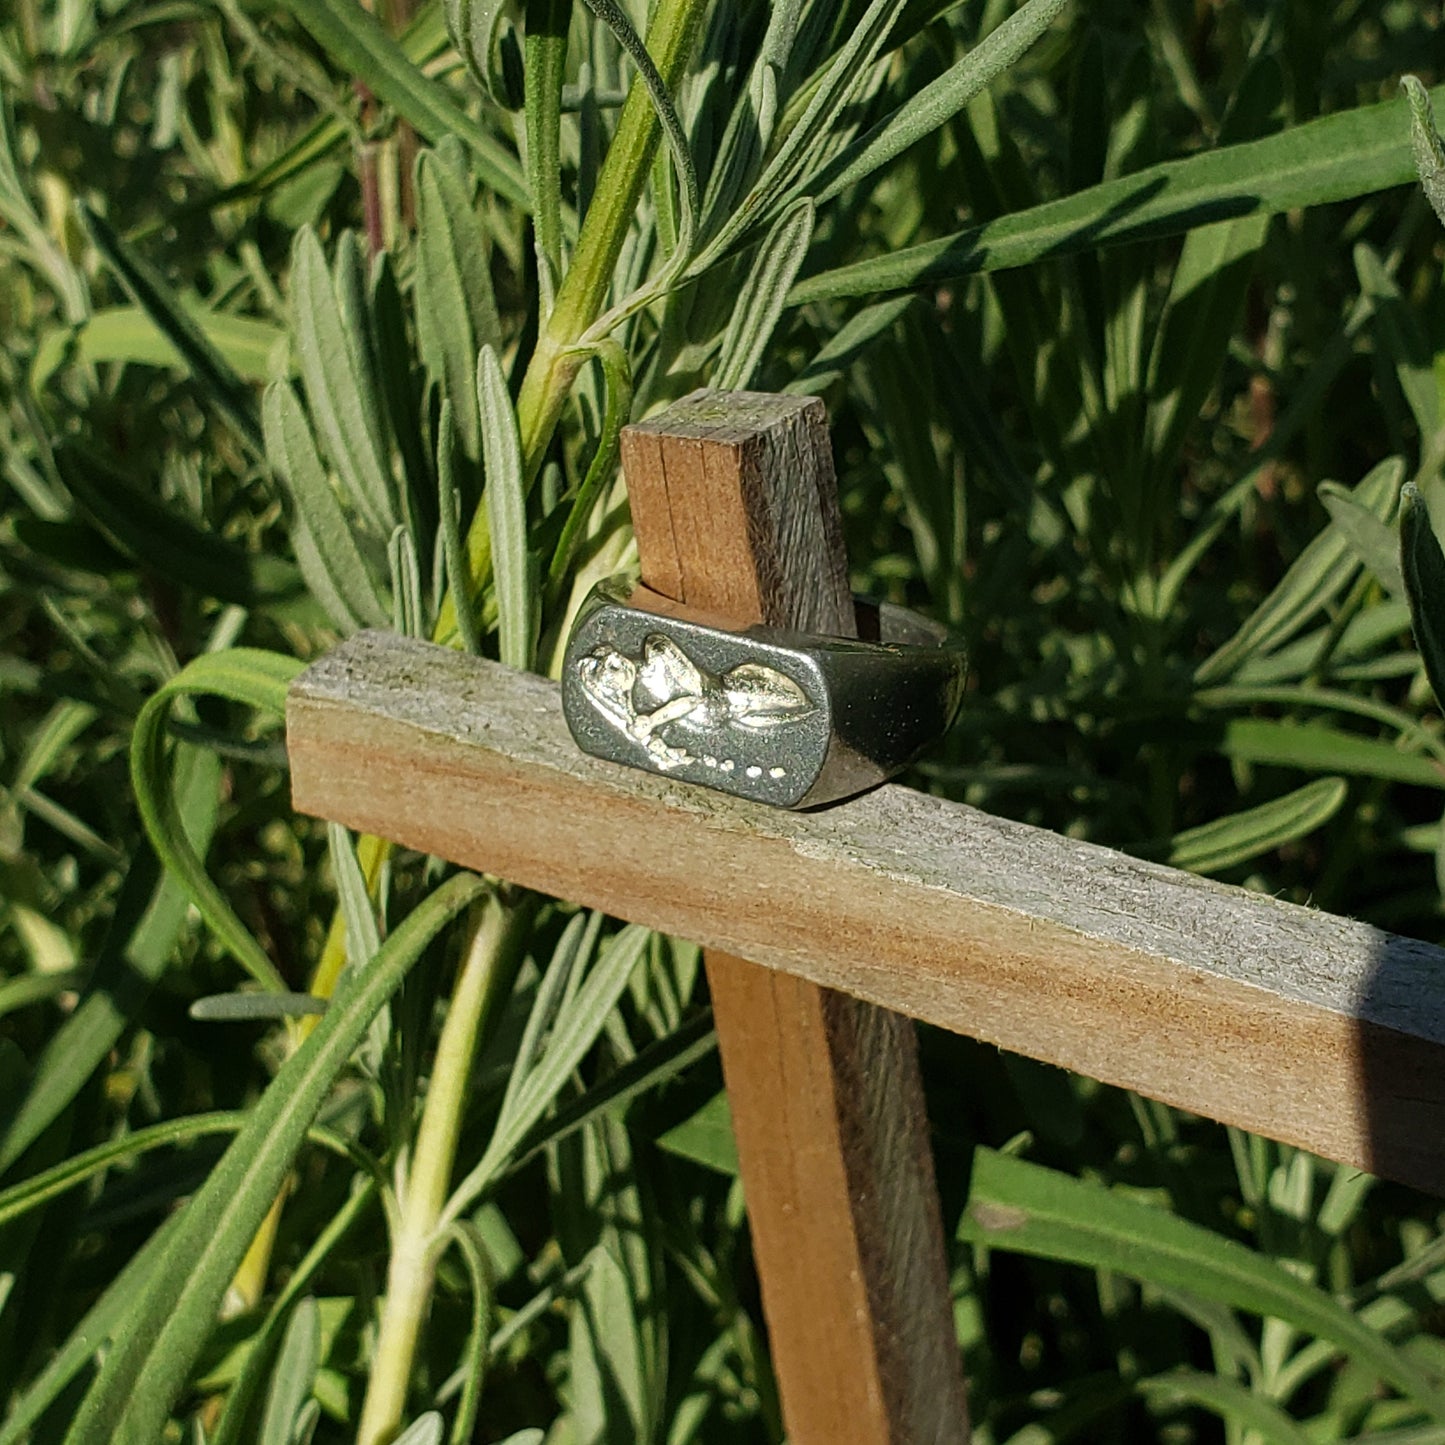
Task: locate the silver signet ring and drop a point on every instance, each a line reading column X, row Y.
column 785, row 718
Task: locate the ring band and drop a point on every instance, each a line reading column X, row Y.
column 779, row 717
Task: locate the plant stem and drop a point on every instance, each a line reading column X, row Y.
column 484, row 979
column 494, row 947
column 619, row 187
column 556, row 360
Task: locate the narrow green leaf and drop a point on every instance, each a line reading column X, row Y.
column 156, row 1346
column 940, row 100
column 456, row 313
column 154, row 296
column 1320, row 749
column 548, row 23
column 1337, row 158
column 300, row 1354
column 1428, row 147
column 1370, row 539
column 1208, row 289
column 1026, row 1209
column 572, row 954
column 336, row 572
column 848, row 344
column 424, row 38
column 425, row 1430
column 148, row 918
column 254, row 1007
column 469, row 1244
column 834, row 89
column 473, row 26
column 1318, row 574
column 506, row 502
column 363, row 933
column 659, row 1061
column 33, row 988
column 16, row 208
column 401, row 384
column 239, row 1398
column 1400, row 342
column 706, row 1137
column 351, row 280
column 1236, row 1404
column 1423, row 564
column 245, row 675
column 342, row 404
column 363, row 51
column 58, row 729
column 459, row 581
column 601, row 470
column 1236, row 839
column 163, row 539
column 83, row 1342
column 764, row 294
column 1369, row 638
column 408, row 610
column 49, row 1183
column 252, row 347
column 575, row 1031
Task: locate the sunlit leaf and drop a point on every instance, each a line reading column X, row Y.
column 332, row 563
column 1318, row 748
column 340, row 389
column 923, row 112
column 761, row 301
column 506, row 501
column 1226, row 842
column 128, row 333
column 456, row 312
column 1336, row 158
column 299, row 1356
column 1319, row 573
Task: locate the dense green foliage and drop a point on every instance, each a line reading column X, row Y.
column 1129, row 319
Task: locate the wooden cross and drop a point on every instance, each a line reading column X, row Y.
column 1309, row 1028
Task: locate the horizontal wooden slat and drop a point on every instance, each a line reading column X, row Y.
column 1293, row 1023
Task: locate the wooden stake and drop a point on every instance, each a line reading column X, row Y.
column 734, row 503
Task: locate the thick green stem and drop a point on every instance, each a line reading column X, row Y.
column 556, row 360
column 583, row 292
column 483, row 982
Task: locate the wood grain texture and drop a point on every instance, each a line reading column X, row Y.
column 735, row 507
column 1300, row 1025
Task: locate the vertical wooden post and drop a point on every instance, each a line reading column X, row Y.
column 734, row 502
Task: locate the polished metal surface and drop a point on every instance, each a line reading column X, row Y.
column 779, row 717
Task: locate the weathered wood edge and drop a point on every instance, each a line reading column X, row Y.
column 1311, row 1028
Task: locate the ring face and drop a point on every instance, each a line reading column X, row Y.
column 722, row 709
column 781, row 718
